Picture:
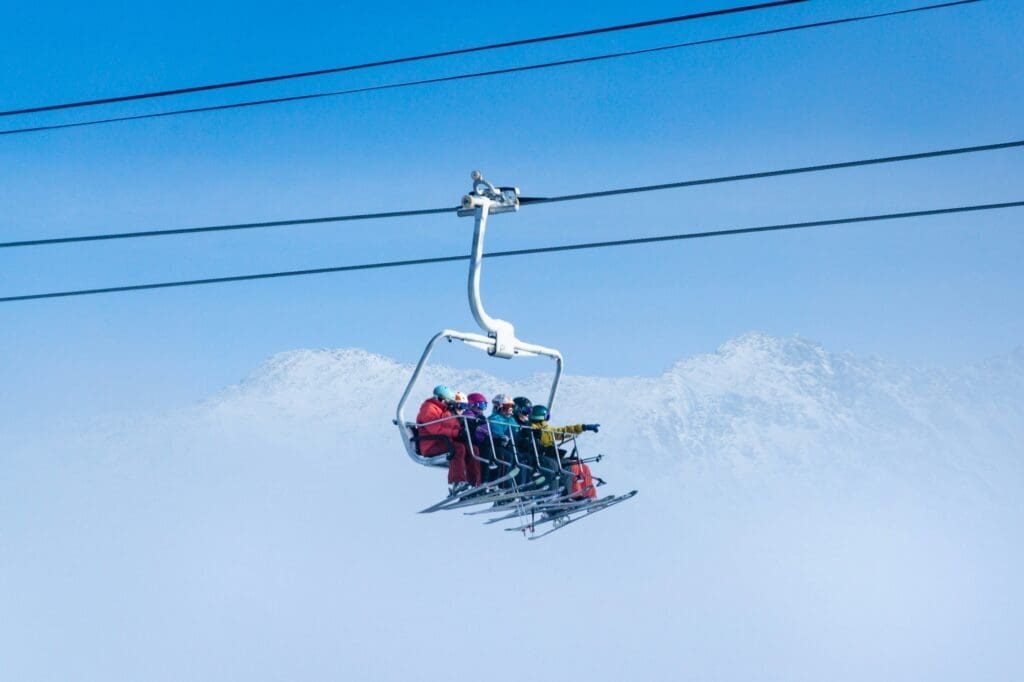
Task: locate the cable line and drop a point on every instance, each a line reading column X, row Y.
column 478, row 74
column 520, row 252
column 221, row 228
column 771, row 174
column 525, row 201
column 405, row 60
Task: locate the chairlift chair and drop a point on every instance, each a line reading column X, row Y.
column 499, row 339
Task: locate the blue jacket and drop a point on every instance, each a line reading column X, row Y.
column 503, row 425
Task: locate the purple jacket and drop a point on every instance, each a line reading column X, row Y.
column 502, row 426
column 477, row 421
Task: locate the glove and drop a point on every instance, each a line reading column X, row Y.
column 591, row 427
column 505, row 442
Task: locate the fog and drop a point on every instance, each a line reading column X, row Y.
column 802, row 515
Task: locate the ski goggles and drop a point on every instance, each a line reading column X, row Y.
column 480, row 406
column 524, row 410
column 460, row 406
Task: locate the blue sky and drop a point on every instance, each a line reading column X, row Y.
column 937, row 290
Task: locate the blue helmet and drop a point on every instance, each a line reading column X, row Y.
column 443, row 393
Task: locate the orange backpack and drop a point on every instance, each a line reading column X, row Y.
column 582, row 482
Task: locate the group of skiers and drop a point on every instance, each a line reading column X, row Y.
column 514, row 439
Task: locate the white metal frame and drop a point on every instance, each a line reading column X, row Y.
column 500, row 340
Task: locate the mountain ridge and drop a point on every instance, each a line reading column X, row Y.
column 757, row 400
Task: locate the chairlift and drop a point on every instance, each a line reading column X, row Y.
column 498, row 340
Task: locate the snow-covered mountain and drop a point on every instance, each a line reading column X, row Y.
column 757, row 402
column 802, row 515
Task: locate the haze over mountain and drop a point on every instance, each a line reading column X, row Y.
column 757, row 402
column 802, row 515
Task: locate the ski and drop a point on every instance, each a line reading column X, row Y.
column 535, row 500
column 499, row 496
column 556, row 513
column 520, row 511
column 564, row 501
column 585, row 514
column 510, row 500
column 469, row 492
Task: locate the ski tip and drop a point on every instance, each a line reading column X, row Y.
column 438, row 506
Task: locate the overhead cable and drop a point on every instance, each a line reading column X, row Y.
column 221, row 228
column 406, row 60
column 525, row 201
column 771, row 174
column 520, row 252
column 477, row 74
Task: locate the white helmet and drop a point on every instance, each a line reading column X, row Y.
column 501, row 400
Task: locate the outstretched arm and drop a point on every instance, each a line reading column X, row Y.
column 563, row 432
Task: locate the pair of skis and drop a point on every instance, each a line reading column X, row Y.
column 564, row 519
column 488, row 492
column 532, row 499
column 550, row 503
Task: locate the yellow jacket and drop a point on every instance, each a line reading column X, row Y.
column 547, row 436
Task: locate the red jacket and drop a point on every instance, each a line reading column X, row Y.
column 433, row 409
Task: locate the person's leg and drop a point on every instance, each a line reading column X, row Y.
column 489, row 470
column 474, row 473
column 457, row 465
column 503, row 456
column 527, row 476
column 560, row 481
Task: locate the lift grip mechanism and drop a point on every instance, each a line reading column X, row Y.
column 497, row 199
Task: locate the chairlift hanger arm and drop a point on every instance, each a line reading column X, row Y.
column 483, row 200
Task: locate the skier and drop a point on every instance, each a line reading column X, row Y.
column 466, row 420
column 458, row 402
column 549, row 435
column 521, row 410
column 523, row 443
column 502, row 424
column 473, row 418
column 496, row 433
column 545, row 439
column 476, row 405
column 437, row 417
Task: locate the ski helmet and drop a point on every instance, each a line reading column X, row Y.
column 477, row 401
column 539, row 413
column 522, row 405
column 501, row 400
column 442, row 392
column 459, row 399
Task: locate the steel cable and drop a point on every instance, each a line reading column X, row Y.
column 478, row 74
column 526, row 201
column 404, row 60
column 519, row 252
